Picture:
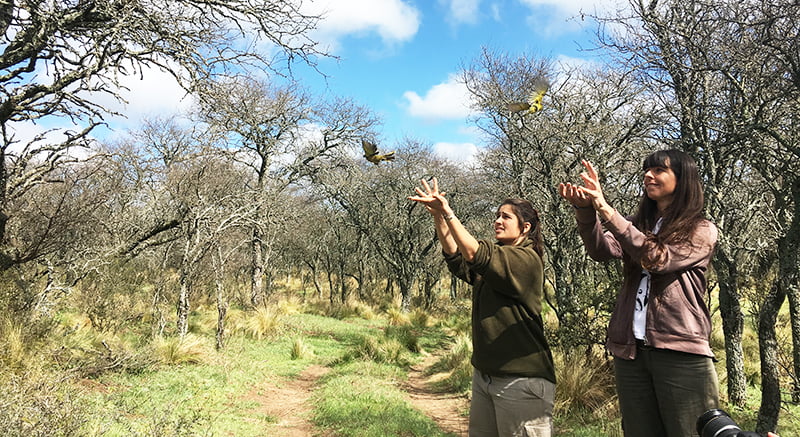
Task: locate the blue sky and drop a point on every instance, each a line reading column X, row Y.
column 401, row 59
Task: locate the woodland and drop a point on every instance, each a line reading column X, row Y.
column 262, row 181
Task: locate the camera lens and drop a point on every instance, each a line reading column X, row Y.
column 716, row 423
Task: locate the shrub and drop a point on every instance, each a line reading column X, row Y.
column 40, row 406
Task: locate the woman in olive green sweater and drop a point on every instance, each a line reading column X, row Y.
column 513, row 385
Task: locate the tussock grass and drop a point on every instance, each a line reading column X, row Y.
column 300, row 350
column 397, row 318
column 455, row 363
column 585, row 385
column 406, row 335
column 420, row 317
column 190, row 349
column 290, row 305
column 262, row 323
column 13, row 344
column 378, row 349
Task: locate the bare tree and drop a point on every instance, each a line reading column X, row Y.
column 374, row 199
column 266, row 127
column 59, row 60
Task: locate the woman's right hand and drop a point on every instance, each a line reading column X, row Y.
column 574, row 195
column 434, row 201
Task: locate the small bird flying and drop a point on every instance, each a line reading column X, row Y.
column 372, row 155
column 534, row 103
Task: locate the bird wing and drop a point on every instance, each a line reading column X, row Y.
column 370, row 149
column 518, row 106
column 540, row 87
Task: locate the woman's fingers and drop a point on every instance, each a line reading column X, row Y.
column 426, row 186
column 589, row 169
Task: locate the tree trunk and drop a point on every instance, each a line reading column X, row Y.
column 768, row 352
column 257, row 277
column 405, row 294
column 183, row 305
column 732, row 329
column 222, row 300
column 790, row 263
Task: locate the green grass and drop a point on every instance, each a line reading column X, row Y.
column 360, row 400
column 218, row 394
column 187, row 388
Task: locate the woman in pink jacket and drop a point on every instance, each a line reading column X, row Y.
column 660, row 327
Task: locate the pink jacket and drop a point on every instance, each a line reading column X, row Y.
column 677, row 316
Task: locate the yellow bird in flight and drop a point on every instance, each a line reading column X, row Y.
column 534, row 103
column 372, row 155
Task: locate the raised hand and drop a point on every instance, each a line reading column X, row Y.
column 434, row 201
column 591, row 186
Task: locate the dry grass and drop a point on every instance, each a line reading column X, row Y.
column 396, row 317
column 585, row 384
column 300, row 350
column 190, row 349
column 262, row 323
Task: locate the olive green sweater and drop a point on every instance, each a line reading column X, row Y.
column 507, row 330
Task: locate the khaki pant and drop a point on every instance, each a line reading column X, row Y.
column 510, row 406
column 662, row 392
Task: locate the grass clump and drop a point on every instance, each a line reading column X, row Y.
column 406, row 335
column 379, row 350
column 262, row 323
column 585, row 395
column 456, row 364
column 187, row 350
column 397, row 317
column 300, row 350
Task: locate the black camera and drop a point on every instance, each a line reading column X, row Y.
column 717, row 423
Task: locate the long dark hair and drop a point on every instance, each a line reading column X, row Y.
column 525, row 212
column 686, row 209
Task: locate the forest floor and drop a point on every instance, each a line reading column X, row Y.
column 291, row 403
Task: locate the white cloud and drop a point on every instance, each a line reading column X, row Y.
column 447, row 100
column 458, row 152
column 463, row 11
column 154, row 93
column 555, row 17
column 573, row 7
column 393, row 20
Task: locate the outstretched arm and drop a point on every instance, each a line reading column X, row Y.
column 451, row 233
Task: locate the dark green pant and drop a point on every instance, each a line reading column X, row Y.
column 662, row 392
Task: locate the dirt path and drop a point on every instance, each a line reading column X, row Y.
column 446, row 409
column 290, row 402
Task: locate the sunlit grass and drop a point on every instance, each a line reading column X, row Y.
column 362, row 400
column 190, row 349
column 211, row 392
